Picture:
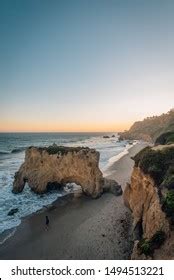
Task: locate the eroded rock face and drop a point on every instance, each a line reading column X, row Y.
column 43, row 168
column 55, row 166
column 165, row 252
column 141, row 196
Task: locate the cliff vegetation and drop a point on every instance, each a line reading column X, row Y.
column 159, row 164
column 150, row 197
column 151, row 128
column 62, row 150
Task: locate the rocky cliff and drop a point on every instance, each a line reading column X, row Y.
column 141, row 196
column 150, row 197
column 54, row 166
column 151, row 128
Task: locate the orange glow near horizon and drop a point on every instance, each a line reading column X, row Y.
column 66, row 127
column 74, row 66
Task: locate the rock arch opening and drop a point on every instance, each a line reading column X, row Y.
column 54, row 166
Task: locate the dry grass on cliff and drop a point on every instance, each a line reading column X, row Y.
column 54, row 149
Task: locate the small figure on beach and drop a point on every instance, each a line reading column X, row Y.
column 47, row 221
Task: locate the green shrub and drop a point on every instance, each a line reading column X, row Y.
column 54, row 149
column 168, row 181
column 170, row 139
column 168, row 203
column 168, row 154
column 158, row 239
column 156, row 163
column 147, row 247
column 152, row 163
column 165, row 138
column 140, row 155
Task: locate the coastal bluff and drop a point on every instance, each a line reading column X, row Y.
column 150, row 197
column 160, row 128
column 54, row 166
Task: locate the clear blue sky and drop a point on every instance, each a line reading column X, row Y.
column 84, row 65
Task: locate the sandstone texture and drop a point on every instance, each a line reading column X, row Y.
column 141, row 196
column 54, row 166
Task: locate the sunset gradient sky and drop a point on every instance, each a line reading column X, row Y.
column 84, row 65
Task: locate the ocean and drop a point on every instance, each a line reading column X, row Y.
column 12, row 152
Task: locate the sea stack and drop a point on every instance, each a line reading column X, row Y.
column 55, row 166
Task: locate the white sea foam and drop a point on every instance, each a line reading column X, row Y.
column 10, row 234
column 120, row 155
column 28, row 202
column 117, row 157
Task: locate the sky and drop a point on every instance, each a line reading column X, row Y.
column 84, row 65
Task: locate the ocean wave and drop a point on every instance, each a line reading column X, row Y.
column 27, row 202
column 4, row 153
column 10, row 234
column 14, row 151
column 117, row 157
column 18, row 150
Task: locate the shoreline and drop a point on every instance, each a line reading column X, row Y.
column 12, row 163
column 80, row 228
column 7, row 233
column 121, row 169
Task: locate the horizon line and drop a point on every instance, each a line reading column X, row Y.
column 60, row 131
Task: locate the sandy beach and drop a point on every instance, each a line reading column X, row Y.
column 80, row 228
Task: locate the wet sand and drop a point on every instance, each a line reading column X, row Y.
column 80, row 228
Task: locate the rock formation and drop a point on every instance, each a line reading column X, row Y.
column 112, row 186
column 55, row 166
column 150, row 197
column 13, row 211
column 141, row 196
column 151, row 128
